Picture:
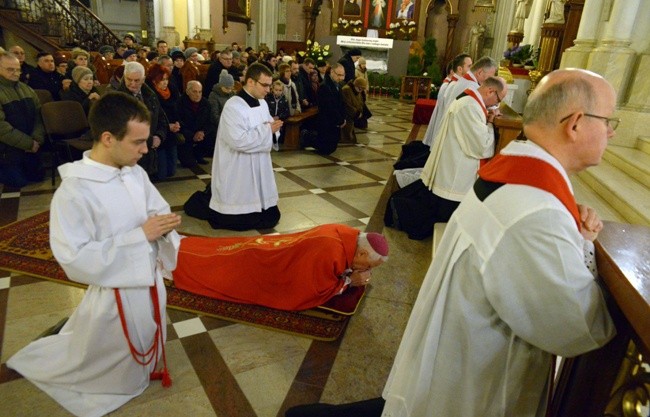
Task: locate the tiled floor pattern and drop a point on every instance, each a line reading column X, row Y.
column 235, row 370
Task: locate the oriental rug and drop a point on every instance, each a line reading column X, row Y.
column 25, row 248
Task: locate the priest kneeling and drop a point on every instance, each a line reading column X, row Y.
column 288, row 272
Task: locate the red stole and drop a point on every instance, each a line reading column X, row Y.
column 470, row 77
column 473, row 95
column 446, row 80
column 454, row 78
column 527, row 170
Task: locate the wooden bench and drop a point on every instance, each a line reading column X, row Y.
column 292, row 127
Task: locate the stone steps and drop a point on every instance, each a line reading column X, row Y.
column 629, row 197
column 632, row 161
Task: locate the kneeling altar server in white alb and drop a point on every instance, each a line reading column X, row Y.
column 112, row 230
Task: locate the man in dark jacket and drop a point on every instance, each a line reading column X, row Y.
column 21, row 129
column 212, row 77
column 348, row 61
column 45, row 76
column 303, row 83
column 195, row 116
column 133, row 84
column 331, row 111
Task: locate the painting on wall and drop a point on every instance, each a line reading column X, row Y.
column 377, row 13
column 352, row 8
column 238, row 10
column 405, row 9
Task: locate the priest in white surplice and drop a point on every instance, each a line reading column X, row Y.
column 465, row 138
column 112, row 230
column 244, row 194
column 470, row 78
column 513, row 281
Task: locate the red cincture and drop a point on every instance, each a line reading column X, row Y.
column 145, row 358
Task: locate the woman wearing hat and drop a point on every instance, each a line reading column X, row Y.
column 353, row 101
column 82, row 88
column 80, row 58
column 220, row 93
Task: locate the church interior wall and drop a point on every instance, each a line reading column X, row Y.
column 324, row 21
column 436, row 27
column 120, row 16
column 295, row 22
column 180, row 18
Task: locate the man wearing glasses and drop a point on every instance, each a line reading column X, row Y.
column 465, row 138
column 244, row 194
column 21, row 129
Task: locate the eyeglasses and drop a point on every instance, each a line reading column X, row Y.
column 265, row 85
column 498, row 98
column 12, row 70
column 611, row 122
column 340, row 74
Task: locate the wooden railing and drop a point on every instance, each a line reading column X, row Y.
column 68, row 20
column 613, row 380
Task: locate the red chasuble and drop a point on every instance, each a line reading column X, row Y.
column 289, row 272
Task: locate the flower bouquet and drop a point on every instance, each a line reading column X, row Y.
column 348, row 27
column 315, row 51
column 401, row 30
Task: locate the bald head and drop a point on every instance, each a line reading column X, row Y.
column 567, row 114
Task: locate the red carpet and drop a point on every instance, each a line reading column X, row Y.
column 25, row 248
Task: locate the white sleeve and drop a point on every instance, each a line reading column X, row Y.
column 120, row 261
column 537, row 282
column 475, row 136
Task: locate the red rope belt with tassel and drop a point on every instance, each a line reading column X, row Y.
column 145, row 358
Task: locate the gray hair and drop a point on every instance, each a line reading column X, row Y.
column 133, row 67
column 494, row 82
column 484, row 63
column 362, row 243
column 191, row 83
column 548, row 105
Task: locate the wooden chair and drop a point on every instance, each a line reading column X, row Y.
column 44, row 96
column 65, row 122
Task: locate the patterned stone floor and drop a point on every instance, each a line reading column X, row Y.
column 234, row 370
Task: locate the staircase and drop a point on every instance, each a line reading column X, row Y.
column 619, row 188
column 50, row 25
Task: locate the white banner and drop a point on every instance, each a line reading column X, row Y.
column 363, row 42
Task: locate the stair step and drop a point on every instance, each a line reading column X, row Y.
column 643, row 144
column 627, row 196
column 632, row 161
column 585, row 195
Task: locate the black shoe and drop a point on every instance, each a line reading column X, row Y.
column 201, row 161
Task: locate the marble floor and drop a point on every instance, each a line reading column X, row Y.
column 225, row 369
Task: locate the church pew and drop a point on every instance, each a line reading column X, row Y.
column 292, row 127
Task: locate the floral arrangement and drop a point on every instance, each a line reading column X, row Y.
column 348, row 27
column 315, row 51
column 401, row 30
column 521, row 55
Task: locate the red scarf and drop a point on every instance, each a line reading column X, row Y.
column 527, row 170
column 469, row 76
column 473, row 95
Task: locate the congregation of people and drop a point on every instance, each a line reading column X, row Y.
column 186, row 92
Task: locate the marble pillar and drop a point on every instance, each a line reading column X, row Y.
column 613, row 58
column 167, row 30
column 640, row 95
column 267, row 25
column 533, row 25
column 578, row 55
column 503, row 20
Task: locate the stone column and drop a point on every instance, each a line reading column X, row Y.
column 168, row 30
column 578, row 55
column 613, row 58
column 503, row 20
column 267, row 26
column 205, row 15
column 533, row 25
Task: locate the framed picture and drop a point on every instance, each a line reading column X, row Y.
column 377, row 13
column 484, row 4
column 404, row 9
column 352, row 8
column 237, row 10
